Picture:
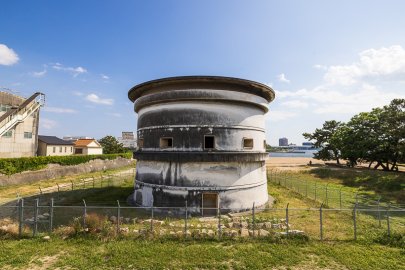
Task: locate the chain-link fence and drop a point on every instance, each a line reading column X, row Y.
column 315, row 223
column 330, row 195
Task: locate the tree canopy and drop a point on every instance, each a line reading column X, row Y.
column 376, row 136
column 111, row 145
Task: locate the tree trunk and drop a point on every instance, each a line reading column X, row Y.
column 369, row 165
column 394, row 165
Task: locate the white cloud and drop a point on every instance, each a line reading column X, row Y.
column 77, row 93
column 372, row 63
column 281, row 77
column 114, row 114
column 276, row 115
column 7, row 56
column 295, row 104
column 47, row 123
column 38, row 74
column 96, row 99
column 346, row 101
column 75, row 71
column 58, row 110
column 104, row 77
column 322, row 67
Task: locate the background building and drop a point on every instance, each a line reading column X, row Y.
column 128, row 139
column 283, row 141
column 19, row 119
column 87, row 147
column 53, row 146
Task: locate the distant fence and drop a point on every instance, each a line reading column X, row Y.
column 315, row 223
column 327, row 194
column 97, row 181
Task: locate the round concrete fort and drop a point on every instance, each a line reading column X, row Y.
column 201, row 140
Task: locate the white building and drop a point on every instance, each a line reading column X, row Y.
column 53, row 146
column 19, row 119
column 87, row 147
column 128, row 139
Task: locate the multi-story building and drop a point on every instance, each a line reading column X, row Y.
column 283, row 141
column 128, row 139
column 19, row 119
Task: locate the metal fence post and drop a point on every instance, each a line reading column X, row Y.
column 58, row 189
column 340, row 197
column 321, row 222
column 326, row 194
column 34, row 233
column 118, row 216
column 315, row 191
column 151, row 220
column 72, row 184
column 253, row 218
column 287, row 221
column 306, row 188
column 84, row 214
column 51, row 216
column 93, row 181
column 20, row 216
column 388, row 220
column 185, row 221
column 84, row 183
column 379, row 212
column 355, row 221
column 219, row 222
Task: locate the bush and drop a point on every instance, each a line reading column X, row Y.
column 11, row 166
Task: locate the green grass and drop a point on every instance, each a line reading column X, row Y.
column 89, row 253
column 370, row 185
column 373, row 250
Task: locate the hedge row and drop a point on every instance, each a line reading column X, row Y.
column 10, row 166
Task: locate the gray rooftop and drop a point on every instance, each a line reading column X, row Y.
column 53, row 140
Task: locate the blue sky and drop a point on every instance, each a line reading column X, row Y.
column 325, row 59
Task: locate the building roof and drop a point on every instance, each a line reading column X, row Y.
column 53, row 140
column 250, row 86
column 85, row 142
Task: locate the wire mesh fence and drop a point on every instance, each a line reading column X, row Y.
column 332, row 196
column 315, row 223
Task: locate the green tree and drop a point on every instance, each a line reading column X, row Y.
column 322, row 138
column 111, row 145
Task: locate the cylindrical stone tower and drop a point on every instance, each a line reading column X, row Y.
column 201, row 139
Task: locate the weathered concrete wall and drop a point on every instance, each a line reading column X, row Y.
column 55, row 171
column 186, row 110
column 17, row 145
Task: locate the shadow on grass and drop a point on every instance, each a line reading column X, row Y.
column 390, row 185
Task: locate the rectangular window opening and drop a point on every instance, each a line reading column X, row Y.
column 27, row 135
column 166, row 142
column 209, row 142
column 247, row 143
column 8, row 134
column 140, row 143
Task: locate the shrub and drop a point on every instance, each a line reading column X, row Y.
column 11, row 166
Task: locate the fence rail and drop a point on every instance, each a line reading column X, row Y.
column 316, row 223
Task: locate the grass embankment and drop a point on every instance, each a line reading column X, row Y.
column 102, row 179
column 9, row 166
column 369, row 184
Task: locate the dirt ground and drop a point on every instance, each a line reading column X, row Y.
column 291, row 163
